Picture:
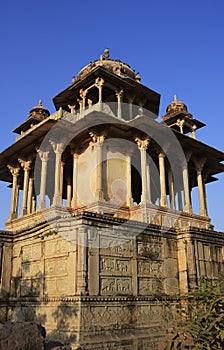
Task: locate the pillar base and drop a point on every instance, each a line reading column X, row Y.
column 99, row 195
column 23, row 211
column 163, row 202
column 188, row 209
column 57, row 200
column 42, row 205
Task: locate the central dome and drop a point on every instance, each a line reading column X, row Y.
column 113, row 66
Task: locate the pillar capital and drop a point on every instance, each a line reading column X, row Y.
column 82, row 93
column 142, row 144
column 161, row 155
column 13, row 170
column 99, row 82
column 188, row 156
column 72, row 108
column 25, row 164
column 96, row 138
column 199, row 164
column 119, row 93
column 180, row 123
column 57, row 147
column 44, row 155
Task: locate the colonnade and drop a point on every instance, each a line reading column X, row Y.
column 26, row 170
column 83, row 102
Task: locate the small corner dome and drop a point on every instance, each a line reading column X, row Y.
column 113, row 66
column 39, row 112
column 176, row 106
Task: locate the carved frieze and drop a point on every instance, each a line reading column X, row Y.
column 31, row 252
column 55, row 266
column 115, row 246
column 56, row 285
column 147, row 286
column 31, row 269
column 30, row 287
column 113, row 265
column 56, row 247
column 150, row 268
column 115, row 285
column 149, row 249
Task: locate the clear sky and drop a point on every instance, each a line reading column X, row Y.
column 177, row 46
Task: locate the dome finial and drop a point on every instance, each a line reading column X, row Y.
column 40, row 103
column 175, row 98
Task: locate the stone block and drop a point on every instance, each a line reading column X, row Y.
column 21, row 336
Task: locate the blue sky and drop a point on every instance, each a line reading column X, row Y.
column 177, row 47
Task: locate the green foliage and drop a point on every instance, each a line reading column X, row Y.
column 200, row 320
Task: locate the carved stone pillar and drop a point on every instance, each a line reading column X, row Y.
column 58, row 149
column 26, row 167
column 148, row 179
column 30, row 195
column 180, row 202
column 187, row 199
column 83, row 94
column 180, row 123
column 99, row 84
column 193, row 131
column 98, row 146
column 69, row 192
column 82, row 262
column 44, row 159
column 142, row 145
column 34, row 202
column 171, row 188
column 74, row 178
column 61, row 178
column 130, row 104
column 119, row 95
column 17, row 200
column 15, row 173
column 199, row 164
column 129, row 200
column 163, row 198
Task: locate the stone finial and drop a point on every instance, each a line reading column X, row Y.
column 138, row 77
column 175, row 98
column 106, row 54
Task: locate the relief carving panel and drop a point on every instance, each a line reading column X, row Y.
column 114, row 265
column 31, row 252
column 147, row 286
column 114, row 246
column 150, row 268
column 30, row 287
column 113, row 285
column 31, row 269
column 56, row 247
column 149, row 249
column 55, row 285
column 55, row 267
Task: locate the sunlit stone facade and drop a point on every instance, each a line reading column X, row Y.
column 102, row 226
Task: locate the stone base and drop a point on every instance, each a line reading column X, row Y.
column 95, row 322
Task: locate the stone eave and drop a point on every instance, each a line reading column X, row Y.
column 144, row 124
column 214, row 157
column 122, row 82
column 25, row 144
column 171, row 121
